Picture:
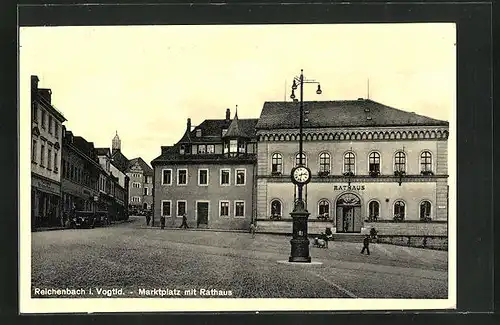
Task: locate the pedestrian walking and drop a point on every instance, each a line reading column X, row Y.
column 162, row 222
column 253, row 228
column 148, row 219
column 366, row 243
column 184, row 222
column 324, row 236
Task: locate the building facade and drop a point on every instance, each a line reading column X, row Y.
column 370, row 164
column 209, row 175
column 112, row 194
column 46, row 136
column 80, row 175
column 140, row 185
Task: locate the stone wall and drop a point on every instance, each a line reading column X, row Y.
column 408, row 228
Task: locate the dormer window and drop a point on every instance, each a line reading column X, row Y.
column 241, row 147
column 182, row 149
column 224, row 131
column 198, row 133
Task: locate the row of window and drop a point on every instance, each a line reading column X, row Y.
column 204, row 177
column 48, row 155
column 148, row 179
column 350, row 162
column 206, row 149
column 77, row 174
column 53, row 125
column 238, row 208
column 147, row 191
column 373, row 209
column 232, row 146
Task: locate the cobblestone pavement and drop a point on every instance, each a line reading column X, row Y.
column 138, row 260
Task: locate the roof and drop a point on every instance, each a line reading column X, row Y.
column 146, row 169
column 120, row 161
column 234, row 129
column 351, row 113
column 186, row 137
column 83, row 145
column 102, row 151
column 48, row 105
column 211, row 130
column 172, row 154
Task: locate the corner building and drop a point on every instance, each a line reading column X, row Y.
column 209, row 175
column 371, row 165
column 46, row 137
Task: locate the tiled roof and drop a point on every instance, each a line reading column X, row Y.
column 211, row 130
column 83, row 145
column 362, row 112
column 120, row 161
column 146, row 169
column 234, row 129
column 102, row 151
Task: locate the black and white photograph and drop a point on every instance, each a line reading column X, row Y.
column 238, row 167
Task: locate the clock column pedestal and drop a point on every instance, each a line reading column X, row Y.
column 300, row 241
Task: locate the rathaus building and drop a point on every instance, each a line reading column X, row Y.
column 372, row 165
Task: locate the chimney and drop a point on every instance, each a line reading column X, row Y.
column 188, row 128
column 228, row 114
column 34, row 82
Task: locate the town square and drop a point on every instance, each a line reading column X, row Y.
column 131, row 256
column 198, row 172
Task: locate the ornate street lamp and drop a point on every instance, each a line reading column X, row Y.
column 300, row 175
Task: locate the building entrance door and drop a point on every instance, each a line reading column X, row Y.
column 348, row 219
column 349, row 213
column 202, row 213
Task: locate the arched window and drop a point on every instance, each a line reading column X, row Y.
column 374, row 163
column 426, row 162
column 277, row 164
column 400, row 162
column 275, row 208
column 349, row 161
column 425, row 211
column 297, row 159
column 399, row 210
column 324, row 209
column 324, row 162
column 373, row 211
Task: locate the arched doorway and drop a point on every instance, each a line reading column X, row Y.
column 348, row 208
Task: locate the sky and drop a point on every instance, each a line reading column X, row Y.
column 145, row 81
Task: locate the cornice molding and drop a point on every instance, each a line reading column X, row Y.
column 388, row 134
column 359, row 179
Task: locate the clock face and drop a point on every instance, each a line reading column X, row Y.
column 301, row 175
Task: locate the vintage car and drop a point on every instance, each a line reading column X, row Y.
column 101, row 218
column 82, row 219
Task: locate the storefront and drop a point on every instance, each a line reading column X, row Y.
column 45, row 202
column 77, row 197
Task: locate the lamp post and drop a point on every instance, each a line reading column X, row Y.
column 300, row 176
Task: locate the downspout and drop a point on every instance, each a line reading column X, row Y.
column 153, row 201
column 254, row 194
